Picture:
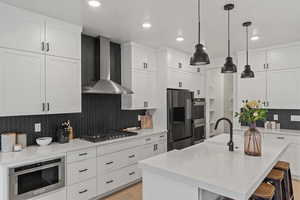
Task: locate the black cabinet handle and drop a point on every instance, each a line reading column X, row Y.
column 83, row 170
column 148, row 139
column 146, row 104
column 131, row 156
column 180, row 84
column 131, row 173
column 109, row 163
column 280, row 138
column 108, row 182
column 180, row 65
column 198, row 69
column 43, row 46
column 48, row 47
column 48, row 106
column 83, row 154
column 162, row 136
column 83, row 191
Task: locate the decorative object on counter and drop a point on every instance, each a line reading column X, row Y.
column 8, row 140
column 200, row 57
column 250, row 114
column 229, row 66
column 273, row 125
column 44, row 141
column 70, row 131
column 17, row 148
column 63, row 133
column 278, row 126
column 146, row 121
column 22, row 140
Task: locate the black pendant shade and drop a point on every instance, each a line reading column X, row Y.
column 247, row 73
column 229, row 66
column 200, row 57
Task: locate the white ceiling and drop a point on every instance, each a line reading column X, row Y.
column 275, row 21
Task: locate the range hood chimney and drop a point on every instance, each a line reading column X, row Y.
column 105, row 85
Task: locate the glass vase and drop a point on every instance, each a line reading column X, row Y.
column 253, row 141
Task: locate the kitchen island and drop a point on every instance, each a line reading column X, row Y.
column 208, row 170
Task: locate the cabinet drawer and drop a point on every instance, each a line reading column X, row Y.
column 80, row 171
column 81, row 155
column 111, row 181
column 118, row 146
column 83, row 191
column 118, row 160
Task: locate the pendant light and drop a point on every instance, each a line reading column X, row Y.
column 229, row 66
column 247, row 73
column 200, row 57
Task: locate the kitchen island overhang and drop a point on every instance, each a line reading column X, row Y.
column 208, row 170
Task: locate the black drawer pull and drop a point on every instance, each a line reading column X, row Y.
column 131, row 156
column 108, row 182
column 131, row 173
column 280, row 138
column 83, row 170
column 148, row 139
column 83, row 154
column 109, row 163
column 162, row 136
column 83, row 191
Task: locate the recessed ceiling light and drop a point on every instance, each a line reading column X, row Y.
column 179, row 39
column 146, row 25
column 254, row 38
column 94, row 3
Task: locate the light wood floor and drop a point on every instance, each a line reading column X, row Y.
column 135, row 193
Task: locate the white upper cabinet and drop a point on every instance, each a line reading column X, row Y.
column 252, row 88
column 31, row 80
column 257, row 60
column 22, row 83
column 138, row 73
column 20, row 29
column 63, row 39
column 138, row 57
column 177, row 60
column 283, row 89
column 179, row 80
column 284, row 57
column 198, row 85
column 63, row 85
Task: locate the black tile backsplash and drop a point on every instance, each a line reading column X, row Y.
column 284, row 118
column 98, row 111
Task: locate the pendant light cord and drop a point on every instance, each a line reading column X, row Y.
column 228, row 33
column 247, row 45
column 199, row 28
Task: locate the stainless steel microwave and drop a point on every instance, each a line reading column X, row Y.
column 35, row 179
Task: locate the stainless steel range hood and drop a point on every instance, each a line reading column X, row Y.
column 105, row 85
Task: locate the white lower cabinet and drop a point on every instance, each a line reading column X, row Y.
column 83, row 190
column 97, row 171
column 81, row 171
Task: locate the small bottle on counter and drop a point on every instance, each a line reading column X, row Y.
column 278, row 126
column 70, row 131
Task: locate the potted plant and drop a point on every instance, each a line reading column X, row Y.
column 250, row 113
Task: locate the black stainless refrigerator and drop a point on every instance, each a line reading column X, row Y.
column 180, row 133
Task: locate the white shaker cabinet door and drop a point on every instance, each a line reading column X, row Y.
column 284, row 57
column 63, row 85
column 22, row 83
column 252, row 88
column 63, row 39
column 20, row 29
column 283, row 89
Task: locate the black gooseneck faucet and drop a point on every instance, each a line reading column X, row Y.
column 230, row 143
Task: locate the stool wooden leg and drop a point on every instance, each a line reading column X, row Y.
column 290, row 185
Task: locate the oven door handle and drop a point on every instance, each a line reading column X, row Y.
column 37, row 168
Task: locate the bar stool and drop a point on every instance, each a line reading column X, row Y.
column 276, row 177
column 288, row 182
column 265, row 191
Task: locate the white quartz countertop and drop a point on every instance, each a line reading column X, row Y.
column 33, row 153
column 210, row 166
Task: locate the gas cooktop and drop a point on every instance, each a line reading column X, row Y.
column 108, row 135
